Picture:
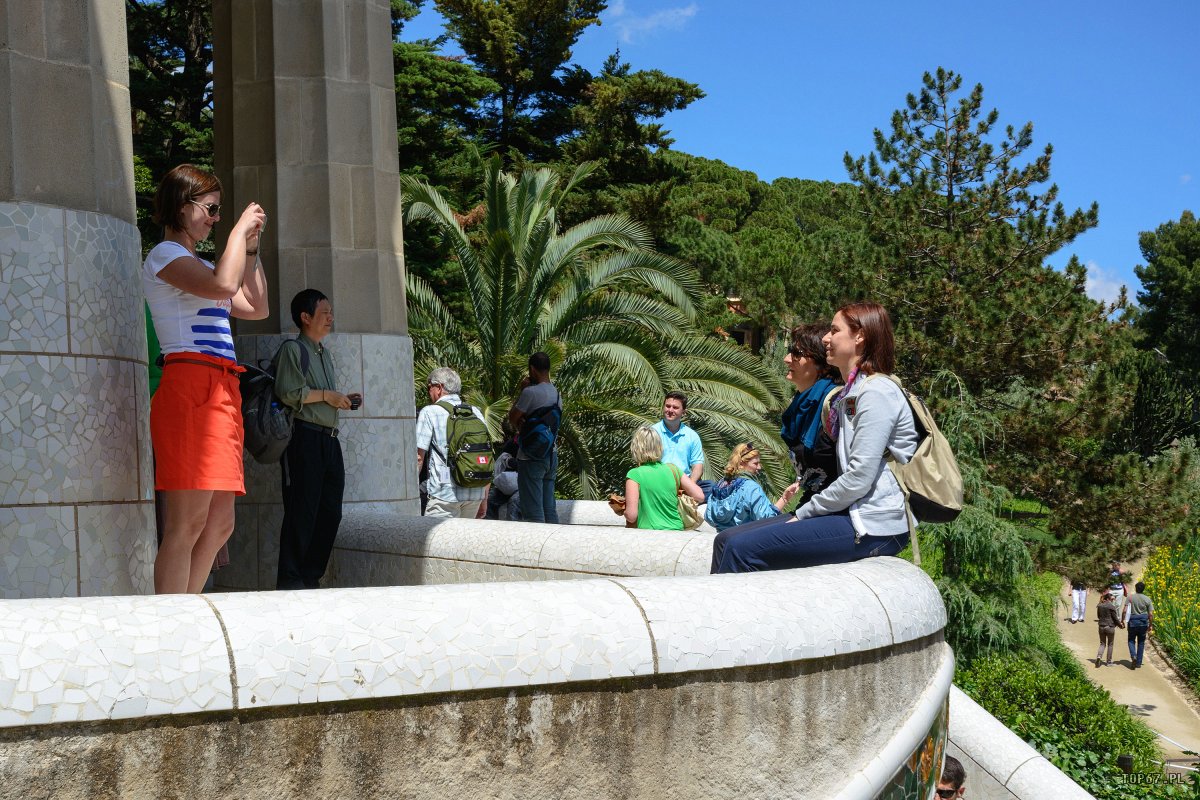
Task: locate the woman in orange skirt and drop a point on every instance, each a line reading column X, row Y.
column 195, row 416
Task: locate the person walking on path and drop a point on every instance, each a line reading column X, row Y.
column 1109, row 620
column 1139, row 617
column 1078, row 601
column 1116, row 585
column 537, row 414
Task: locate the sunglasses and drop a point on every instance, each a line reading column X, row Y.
column 946, row 794
column 750, row 446
column 212, row 208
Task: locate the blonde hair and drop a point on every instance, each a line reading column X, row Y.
column 647, row 446
column 742, row 455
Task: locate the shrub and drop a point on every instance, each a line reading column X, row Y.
column 1074, row 724
column 1173, row 583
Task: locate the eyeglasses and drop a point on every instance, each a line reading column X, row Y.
column 946, row 794
column 212, row 208
column 750, row 446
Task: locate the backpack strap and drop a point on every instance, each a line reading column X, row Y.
column 826, row 404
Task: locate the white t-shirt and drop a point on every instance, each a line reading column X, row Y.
column 431, row 428
column 184, row 322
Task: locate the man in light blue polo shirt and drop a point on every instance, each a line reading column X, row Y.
column 681, row 443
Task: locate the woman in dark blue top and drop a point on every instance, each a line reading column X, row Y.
column 802, row 431
column 810, row 445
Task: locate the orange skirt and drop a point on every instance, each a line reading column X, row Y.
column 196, row 425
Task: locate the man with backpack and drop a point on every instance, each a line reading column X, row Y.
column 314, row 475
column 537, row 414
column 453, row 437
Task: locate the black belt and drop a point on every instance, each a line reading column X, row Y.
column 315, row 427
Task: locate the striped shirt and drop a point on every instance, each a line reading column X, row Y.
column 185, row 323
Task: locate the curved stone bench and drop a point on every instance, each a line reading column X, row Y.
column 713, row 686
column 378, row 548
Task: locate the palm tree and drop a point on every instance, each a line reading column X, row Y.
column 616, row 317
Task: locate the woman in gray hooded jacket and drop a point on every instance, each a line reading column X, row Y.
column 862, row 513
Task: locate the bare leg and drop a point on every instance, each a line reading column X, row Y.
column 186, row 515
column 217, row 530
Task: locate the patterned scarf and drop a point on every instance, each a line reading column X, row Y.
column 834, row 417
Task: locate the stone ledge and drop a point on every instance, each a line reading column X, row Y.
column 77, row 660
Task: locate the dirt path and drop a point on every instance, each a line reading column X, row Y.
column 1151, row 693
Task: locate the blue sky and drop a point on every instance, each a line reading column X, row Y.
column 791, row 86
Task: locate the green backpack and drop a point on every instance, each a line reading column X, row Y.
column 469, row 444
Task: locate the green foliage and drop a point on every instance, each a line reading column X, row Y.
column 170, row 90
column 1163, row 408
column 522, row 47
column 1173, row 583
column 964, row 235
column 615, row 316
column 1170, row 296
column 1072, row 722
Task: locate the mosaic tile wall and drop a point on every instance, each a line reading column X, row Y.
column 377, row 445
column 75, row 459
column 74, row 660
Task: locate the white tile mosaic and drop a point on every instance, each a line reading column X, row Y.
column 388, row 375
column 376, row 452
column 696, row 556
column 104, row 292
column 347, row 350
column 99, row 658
column 116, row 549
column 614, row 551
column 722, row 621
column 33, row 308
column 68, row 433
column 913, row 603
column 343, row 644
column 145, row 447
column 38, row 552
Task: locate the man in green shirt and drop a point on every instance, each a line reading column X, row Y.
column 314, row 476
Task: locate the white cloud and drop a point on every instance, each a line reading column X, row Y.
column 1185, row 178
column 632, row 26
column 1102, row 284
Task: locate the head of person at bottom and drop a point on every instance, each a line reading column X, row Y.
column 951, row 784
column 313, row 314
column 646, row 447
column 744, row 458
column 861, row 339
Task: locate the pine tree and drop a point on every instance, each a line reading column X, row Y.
column 964, row 234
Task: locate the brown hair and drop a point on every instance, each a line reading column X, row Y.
column 879, row 343
column 806, row 341
column 740, row 457
column 179, row 187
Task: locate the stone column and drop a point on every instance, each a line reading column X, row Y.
column 76, row 484
column 306, row 125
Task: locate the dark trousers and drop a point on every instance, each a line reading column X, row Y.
column 314, row 479
column 776, row 543
column 1139, row 626
column 535, row 486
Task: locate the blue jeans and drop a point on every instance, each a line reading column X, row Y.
column 1139, row 626
column 776, row 543
column 535, row 488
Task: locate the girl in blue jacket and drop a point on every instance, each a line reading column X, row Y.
column 738, row 497
column 862, row 513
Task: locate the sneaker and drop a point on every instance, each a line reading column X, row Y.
column 1108, row 663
